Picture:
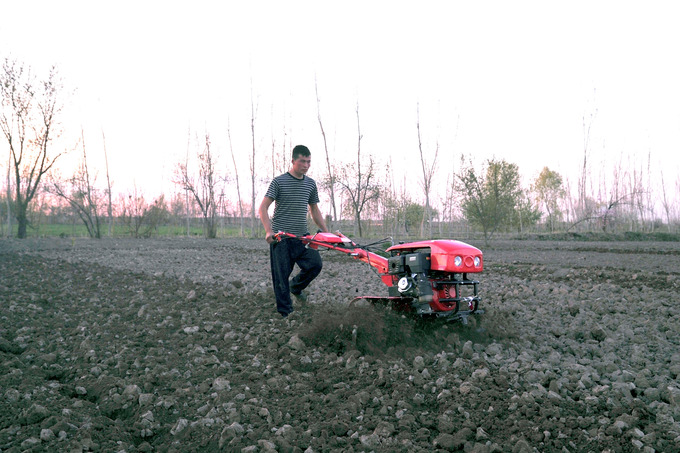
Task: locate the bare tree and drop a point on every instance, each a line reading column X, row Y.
column 331, row 176
column 252, row 163
column 615, row 197
column 139, row 217
column 279, row 155
column 132, row 211
column 668, row 205
column 202, row 187
column 81, row 194
column 187, row 195
column 450, row 203
column 109, row 205
column 274, row 159
column 29, row 122
column 359, row 182
column 583, row 206
column 238, row 181
column 390, row 214
column 641, row 187
column 428, row 174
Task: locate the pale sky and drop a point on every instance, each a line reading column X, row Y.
column 512, row 80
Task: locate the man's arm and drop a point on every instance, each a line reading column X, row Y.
column 266, row 221
column 318, row 217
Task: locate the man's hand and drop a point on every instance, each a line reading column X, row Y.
column 318, row 217
column 266, row 221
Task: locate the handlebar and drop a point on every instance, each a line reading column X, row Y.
column 341, row 243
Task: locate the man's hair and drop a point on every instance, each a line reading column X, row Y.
column 301, row 150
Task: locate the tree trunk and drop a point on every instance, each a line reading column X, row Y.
column 238, row 183
column 22, row 223
column 428, row 173
column 8, row 200
column 331, row 177
column 109, row 206
column 252, row 165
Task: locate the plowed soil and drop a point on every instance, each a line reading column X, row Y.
column 174, row 345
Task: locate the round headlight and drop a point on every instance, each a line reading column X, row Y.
column 458, row 261
column 477, row 261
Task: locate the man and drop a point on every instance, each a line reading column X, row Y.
column 292, row 191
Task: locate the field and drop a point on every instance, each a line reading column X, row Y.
column 174, row 345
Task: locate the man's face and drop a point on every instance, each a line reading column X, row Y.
column 301, row 164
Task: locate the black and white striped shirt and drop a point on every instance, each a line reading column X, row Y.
column 292, row 196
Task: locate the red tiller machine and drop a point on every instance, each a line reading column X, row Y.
column 428, row 278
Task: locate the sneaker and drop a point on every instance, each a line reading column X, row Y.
column 302, row 297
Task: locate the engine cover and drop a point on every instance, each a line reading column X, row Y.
column 441, row 254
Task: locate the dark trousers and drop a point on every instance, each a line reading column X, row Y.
column 283, row 257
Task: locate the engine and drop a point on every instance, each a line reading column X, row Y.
column 433, row 276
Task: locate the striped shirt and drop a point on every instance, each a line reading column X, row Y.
column 292, row 196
